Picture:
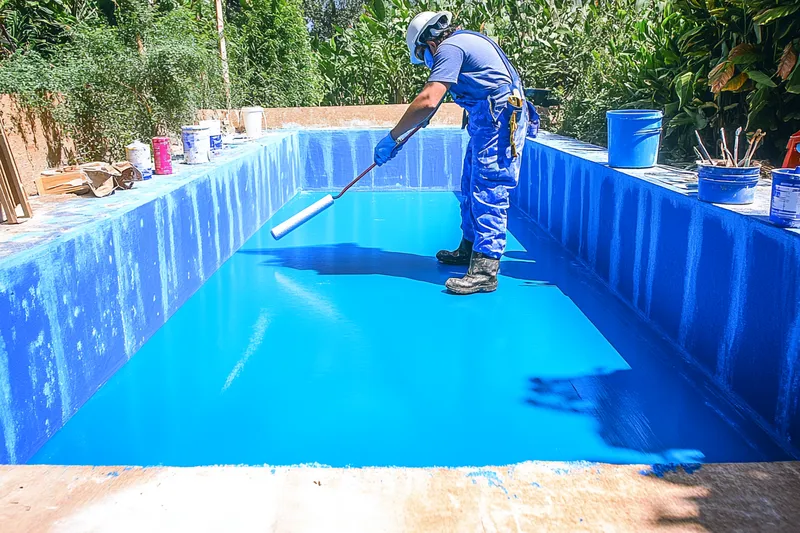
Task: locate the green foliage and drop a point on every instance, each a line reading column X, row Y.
column 272, row 63
column 109, row 92
column 130, row 68
column 40, row 24
column 368, row 63
column 727, row 64
column 324, row 16
column 575, row 48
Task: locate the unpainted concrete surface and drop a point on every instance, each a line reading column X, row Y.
column 524, row 497
column 364, row 116
column 37, row 142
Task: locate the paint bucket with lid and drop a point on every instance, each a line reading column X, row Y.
column 727, row 185
column 252, row 121
column 214, row 135
column 162, row 156
column 138, row 154
column 784, row 209
column 634, row 136
column 195, row 144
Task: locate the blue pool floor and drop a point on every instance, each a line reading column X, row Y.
column 338, row 346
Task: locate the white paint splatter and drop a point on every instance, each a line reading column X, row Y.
column 49, row 384
column 6, row 412
column 259, row 329
column 76, row 312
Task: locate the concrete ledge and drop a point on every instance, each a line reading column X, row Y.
column 524, row 497
column 718, row 281
column 361, row 116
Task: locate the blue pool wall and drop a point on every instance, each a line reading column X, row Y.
column 77, row 308
column 719, row 284
column 431, row 160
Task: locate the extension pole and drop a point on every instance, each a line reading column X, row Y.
column 321, row 205
column 223, row 53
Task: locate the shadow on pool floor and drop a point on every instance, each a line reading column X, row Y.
column 349, row 259
column 651, row 408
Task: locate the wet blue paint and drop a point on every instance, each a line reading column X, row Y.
column 337, row 346
column 658, row 470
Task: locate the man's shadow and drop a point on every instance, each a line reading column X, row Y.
column 350, row 259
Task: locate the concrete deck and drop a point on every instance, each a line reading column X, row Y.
column 524, row 497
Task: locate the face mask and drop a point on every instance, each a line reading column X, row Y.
column 428, row 58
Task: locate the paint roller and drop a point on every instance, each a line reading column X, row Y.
column 319, row 206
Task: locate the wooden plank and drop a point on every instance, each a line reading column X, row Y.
column 12, row 173
column 6, row 203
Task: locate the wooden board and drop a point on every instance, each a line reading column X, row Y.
column 11, row 179
column 7, row 206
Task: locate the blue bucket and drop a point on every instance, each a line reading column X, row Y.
column 634, row 136
column 784, row 209
column 727, row 185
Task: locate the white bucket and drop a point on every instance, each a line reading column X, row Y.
column 214, row 135
column 138, row 154
column 214, row 126
column 252, row 121
column 195, row 145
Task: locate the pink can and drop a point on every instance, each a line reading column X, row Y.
column 162, row 156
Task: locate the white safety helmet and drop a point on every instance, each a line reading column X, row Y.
column 422, row 22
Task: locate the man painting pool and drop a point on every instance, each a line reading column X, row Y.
column 483, row 82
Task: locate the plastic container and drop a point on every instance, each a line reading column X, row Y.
column 214, row 135
column 784, row 209
column 138, row 154
column 162, row 156
column 727, row 185
column 252, row 121
column 195, row 145
column 634, row 136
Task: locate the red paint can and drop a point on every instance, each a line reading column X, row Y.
column 162, row 156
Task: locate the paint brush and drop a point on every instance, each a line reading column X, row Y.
column 699, row 155
column 757, row 137
column 736, row 146
column 726, row 154
column 751, row 149
column 703, row 148
column 721, row 147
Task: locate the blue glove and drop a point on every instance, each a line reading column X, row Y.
column 386, row 149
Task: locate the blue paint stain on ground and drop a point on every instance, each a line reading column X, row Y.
column 658, row 470
column 337, row 346
column 491, row 477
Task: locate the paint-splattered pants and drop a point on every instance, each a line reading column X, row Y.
column 489, row 173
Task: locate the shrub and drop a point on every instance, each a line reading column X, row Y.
column 272, row 63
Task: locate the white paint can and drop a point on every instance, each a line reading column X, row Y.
column 195, row 144
column 214, row 136
column 252, row 121
column 138, row 154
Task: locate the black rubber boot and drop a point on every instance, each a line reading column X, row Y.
column 459, row 257
column 481, row 277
